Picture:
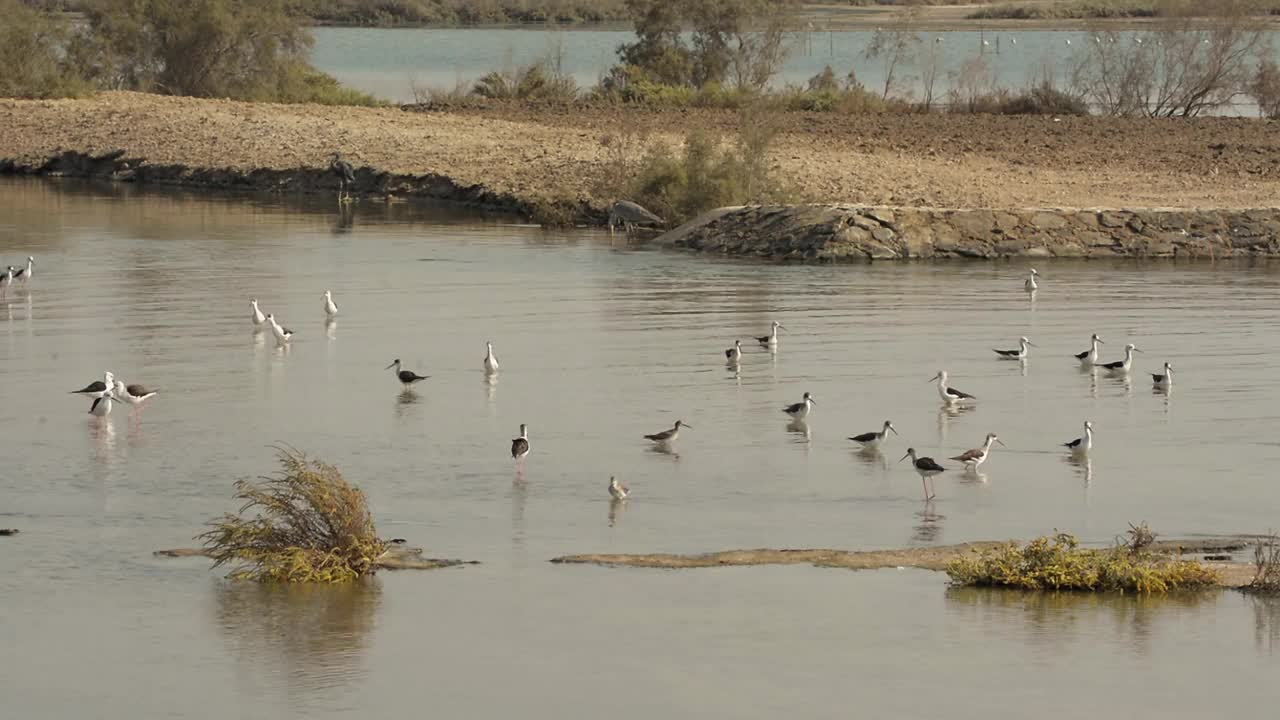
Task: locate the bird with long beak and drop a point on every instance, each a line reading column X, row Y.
column 975, row 457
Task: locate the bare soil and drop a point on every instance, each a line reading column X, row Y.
column 559, row 153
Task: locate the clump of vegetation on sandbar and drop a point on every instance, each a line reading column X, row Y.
column 1266, row 561
column 1058, row 563
column 306, row 523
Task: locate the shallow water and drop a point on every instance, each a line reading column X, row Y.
column 601, row 343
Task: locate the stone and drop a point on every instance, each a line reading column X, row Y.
column 974, row 223
column 1048, row 221
column 882, row 215
column 1111, row 220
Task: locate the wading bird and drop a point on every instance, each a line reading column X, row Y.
column 6, row 279
column 800, row 410
column 1121, row 367
column 132, row 394
column 330, row 307
column 975, row 457
column 1082, row 445
column 630, row 215
column 872, row 440
column 490, row 362
column 772, row 337
column 101, row 406
column 283, row 334
column 406, row 377
column 1019, row 354
column 617, row 490
column 346, row 175
column 734, row 354
column 1090, row 356
column 668, row 435
column 520, row 445
column 1030, row 285
column 1163, row 381
column 926, row 468
column 257, row 317
column 97, row 386
column 949, row 395
column 24, row 274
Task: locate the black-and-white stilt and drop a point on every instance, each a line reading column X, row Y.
column 132, row 394
column 734, row 354
column 520, row 445
column 6, row 279
column 406, row 377
column 1090, row 356
column 872, row 440
column 1019, row 354
column 772, row 337
column 926, row 468
column 256, row 316
column 1121, row 367
column 975, row 457
column 668, row 435
column 330, row 307
column 283, row 334
column 1163, row 381
column 1031, row 285
column 97, row 386
column 102, row 402
column 617, row 490
column 800, row 410
column 490, row 362
column 24, row 274
column 1082, row 445
column 950, row 395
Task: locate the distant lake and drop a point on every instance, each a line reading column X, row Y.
column 386, row 62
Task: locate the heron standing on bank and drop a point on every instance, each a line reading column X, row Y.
column 346, row 175
column 630, row 215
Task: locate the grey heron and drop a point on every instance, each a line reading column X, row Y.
column 629, row 215
column 346, row 175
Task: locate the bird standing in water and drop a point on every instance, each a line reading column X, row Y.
column 520, row 445
column 617, row 490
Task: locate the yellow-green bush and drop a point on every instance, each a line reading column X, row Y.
column 307, row 524
column 1058, row 563
column 31, row 57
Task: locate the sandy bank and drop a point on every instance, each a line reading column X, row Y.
column 519, row 157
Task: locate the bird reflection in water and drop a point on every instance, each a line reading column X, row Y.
column 405, row 401
column 616, row 506
column 929, row 526
column 330, row 328
column 665, row 448
column 871, row 456
column 346, row 219
column 104, row 437
column 307, row 636
column 1083, row 465
column 491, row 386
column 973, row 477
column 800, row 428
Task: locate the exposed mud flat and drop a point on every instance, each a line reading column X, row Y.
column 397, row 558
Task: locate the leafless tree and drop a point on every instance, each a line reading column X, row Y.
column 895, row 46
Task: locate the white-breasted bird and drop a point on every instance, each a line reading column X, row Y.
column 256, row 316
column 872, row 440
column 1082, row 445
column 668, row 435
column 1121, row 367
column 975, row 457
column 734, row 354
column 617, row 490
column 101, row 406
column 949, row 395
column 330, row 307
column 801, row 410
column 1165, row 380
column 1090, row 356
column 132, row 394
column 24, row 274
column 490, row 362
column 772, row 337
column 1019, row 354
column 1031, row 285
column 283, row 334
column 97, row 386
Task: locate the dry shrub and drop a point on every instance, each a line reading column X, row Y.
column 1057, row 563
column 1265, row 88
column 308, row 525
column 1266, row 561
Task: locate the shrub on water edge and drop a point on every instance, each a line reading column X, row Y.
column 1266, row 560
column 308, row 525
column 1058, row 563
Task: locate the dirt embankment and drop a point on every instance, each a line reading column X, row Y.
column 519, row 158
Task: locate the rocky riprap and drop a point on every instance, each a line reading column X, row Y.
column 847, row 233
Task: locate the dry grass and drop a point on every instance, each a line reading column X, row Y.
column 303, row 524
column 1266, row 561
